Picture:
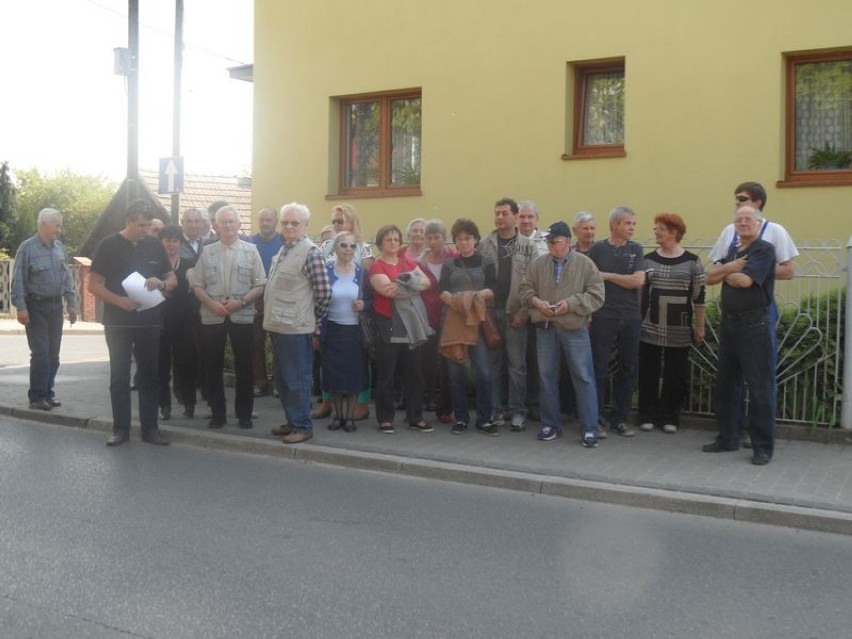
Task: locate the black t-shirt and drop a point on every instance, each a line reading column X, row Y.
column 760, row 267
column 472, row 273
column 115, row 259
column 506, row 250
column 623, row 260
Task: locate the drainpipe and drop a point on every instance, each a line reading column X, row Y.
column 846, row 406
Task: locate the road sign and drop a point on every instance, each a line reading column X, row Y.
column 171, row 175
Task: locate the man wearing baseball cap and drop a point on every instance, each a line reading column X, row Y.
column 562, row 289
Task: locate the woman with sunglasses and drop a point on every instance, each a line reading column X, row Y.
column 344, row 360
column 345, row 218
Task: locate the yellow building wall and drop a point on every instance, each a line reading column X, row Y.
column 704, row 105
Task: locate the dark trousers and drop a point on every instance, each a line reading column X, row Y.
column 746, row 347
column 622, row 334
column 436, row 377
column 178, row 355
column 661, row 404
column 213, row 338
column 44, row 336
column 391, row 358
column 260, row 337
column 141, row 343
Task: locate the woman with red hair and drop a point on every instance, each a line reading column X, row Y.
column 672, row 319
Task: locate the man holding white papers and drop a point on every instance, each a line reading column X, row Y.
column 128, row 328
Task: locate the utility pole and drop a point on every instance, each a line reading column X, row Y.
column 176, row 100
column 133, row 101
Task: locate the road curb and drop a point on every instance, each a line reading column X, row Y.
column 673, row 501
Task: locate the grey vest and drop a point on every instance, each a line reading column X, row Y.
column 288, row 301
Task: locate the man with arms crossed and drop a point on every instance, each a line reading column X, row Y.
column 753, row 194
column 746, row 344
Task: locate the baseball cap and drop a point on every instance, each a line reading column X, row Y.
column 558, row 229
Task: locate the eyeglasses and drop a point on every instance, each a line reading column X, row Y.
column 338, row 220
column 290, row 222
column 742, row 198
column 346, row 245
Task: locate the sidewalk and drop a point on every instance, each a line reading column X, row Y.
column 807, row 485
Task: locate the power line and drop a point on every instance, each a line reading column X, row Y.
column 168, row 34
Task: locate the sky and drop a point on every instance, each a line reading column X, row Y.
column 62, row 105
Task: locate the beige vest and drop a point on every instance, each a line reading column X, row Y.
column 243, row 278
column 288, row 301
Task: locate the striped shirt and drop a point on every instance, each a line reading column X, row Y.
column 673, row 287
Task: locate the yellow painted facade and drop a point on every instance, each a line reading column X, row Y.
column 704, row 106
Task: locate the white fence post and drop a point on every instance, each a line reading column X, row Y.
column 846, row 405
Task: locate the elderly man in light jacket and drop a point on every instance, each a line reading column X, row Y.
column 227, row 279
column 296, row 298
column 562, row 290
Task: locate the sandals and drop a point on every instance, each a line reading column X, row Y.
column 386, row 427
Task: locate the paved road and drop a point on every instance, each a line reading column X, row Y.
column 179, row 542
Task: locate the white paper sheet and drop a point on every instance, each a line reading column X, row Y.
column 134, row 286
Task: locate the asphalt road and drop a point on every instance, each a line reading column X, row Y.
column 141, row 541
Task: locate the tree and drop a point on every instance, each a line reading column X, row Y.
column 80, row 199
column 7, row 209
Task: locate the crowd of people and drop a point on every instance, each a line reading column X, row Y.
column 551, row 324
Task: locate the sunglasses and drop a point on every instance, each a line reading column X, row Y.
column 290, row 222
column 346, row 245
column 338, row 220
column 742, row 198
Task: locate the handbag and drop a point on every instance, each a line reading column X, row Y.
column 365, row 321
column 490, row 330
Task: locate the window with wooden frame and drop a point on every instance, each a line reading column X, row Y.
column 818, row 119
column 598, row 109
column 380, row 144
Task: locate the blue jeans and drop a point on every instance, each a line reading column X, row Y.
column 623, row 334
column 292, row 360
column 746, row 345
column 44, row 336
column 142, row 343
column 575, row 346
column 513, row 356
column 480, row 359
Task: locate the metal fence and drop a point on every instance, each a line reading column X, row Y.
column 6, row 268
